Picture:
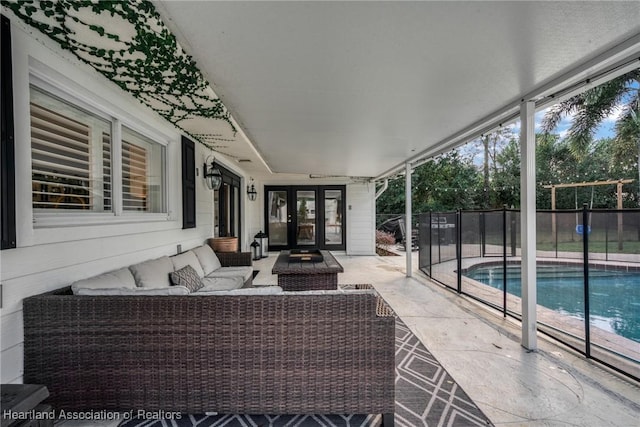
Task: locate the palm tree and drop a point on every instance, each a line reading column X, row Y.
column 591, row 107
column 628, row 130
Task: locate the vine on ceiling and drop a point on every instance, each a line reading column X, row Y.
column 127, row 42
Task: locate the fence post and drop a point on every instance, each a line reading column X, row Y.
column 430, row 246
column 606, row 240
column 555, row 243
column 459, row 248
column 504, row 260
column 514, row 232
column 483, row 241
column 439, row 240
column 585, row 256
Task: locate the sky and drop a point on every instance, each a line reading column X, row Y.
column 605, row 130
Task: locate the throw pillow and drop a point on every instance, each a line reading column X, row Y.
column 187, row 258
column 188, row 277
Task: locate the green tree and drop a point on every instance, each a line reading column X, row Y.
column 391, row 202
column 628, row 134
column 493, row 144
column 557, row 164
column 445, row 183
column 591, row 107
column 506, row 176
column 554, row 163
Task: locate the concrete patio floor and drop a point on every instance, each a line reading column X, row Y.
column 553, row 386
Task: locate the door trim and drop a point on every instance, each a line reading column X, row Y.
column 320, row 215
column 235, row 218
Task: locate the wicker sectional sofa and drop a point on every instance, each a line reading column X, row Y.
column 330, row 352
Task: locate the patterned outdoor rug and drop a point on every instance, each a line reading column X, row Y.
column 426, row 395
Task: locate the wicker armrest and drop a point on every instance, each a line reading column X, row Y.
column 383, row 309
column 233, row 259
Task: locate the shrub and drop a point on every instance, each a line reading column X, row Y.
column 384, row 239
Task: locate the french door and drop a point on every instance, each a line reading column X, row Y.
column 227, row 205
column 305, row 216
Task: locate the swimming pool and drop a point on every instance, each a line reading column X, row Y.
column 614, row 295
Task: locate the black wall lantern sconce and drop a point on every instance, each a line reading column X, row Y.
column 251, row 191
column 212, row 175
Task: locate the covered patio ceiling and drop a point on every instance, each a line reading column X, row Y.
column 358, row 88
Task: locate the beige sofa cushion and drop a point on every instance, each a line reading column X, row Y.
column 121, row 278
column 221, row 283
column 153, row 273
column 263, row 290
column 187, row 258
column 173, row 290
column 208, row 259
column 338, row 291
column 245, row 272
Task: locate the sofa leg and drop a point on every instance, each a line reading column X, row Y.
column 388, row 419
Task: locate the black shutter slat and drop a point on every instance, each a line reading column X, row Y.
column 188, row 184
column 7, row 146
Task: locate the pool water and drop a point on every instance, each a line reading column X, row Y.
column 614, row 296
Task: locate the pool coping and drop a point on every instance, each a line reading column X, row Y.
column 611, row 265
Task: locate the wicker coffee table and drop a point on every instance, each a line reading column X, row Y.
column 296, row 275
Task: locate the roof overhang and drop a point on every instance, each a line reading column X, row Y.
column 357, row 88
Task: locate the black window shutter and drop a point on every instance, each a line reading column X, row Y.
column 188, row 183
column 7, row 145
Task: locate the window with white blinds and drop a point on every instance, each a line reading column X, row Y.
column 73, row 168
column 134, row 177
column 142, row 173
column 106, row 171
column 66, row 155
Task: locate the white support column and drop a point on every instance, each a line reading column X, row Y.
column 408, row 244
column 528, row 223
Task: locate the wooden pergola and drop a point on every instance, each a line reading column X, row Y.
column 619, row 183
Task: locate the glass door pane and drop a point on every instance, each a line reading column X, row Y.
column 306, row 217
column 226, row 205
column 235, row 216
column 216, row 213
column 278, row 218
column 224, row 210
column 333, row 217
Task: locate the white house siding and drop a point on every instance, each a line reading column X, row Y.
column 361, row 223
column 52, row 257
